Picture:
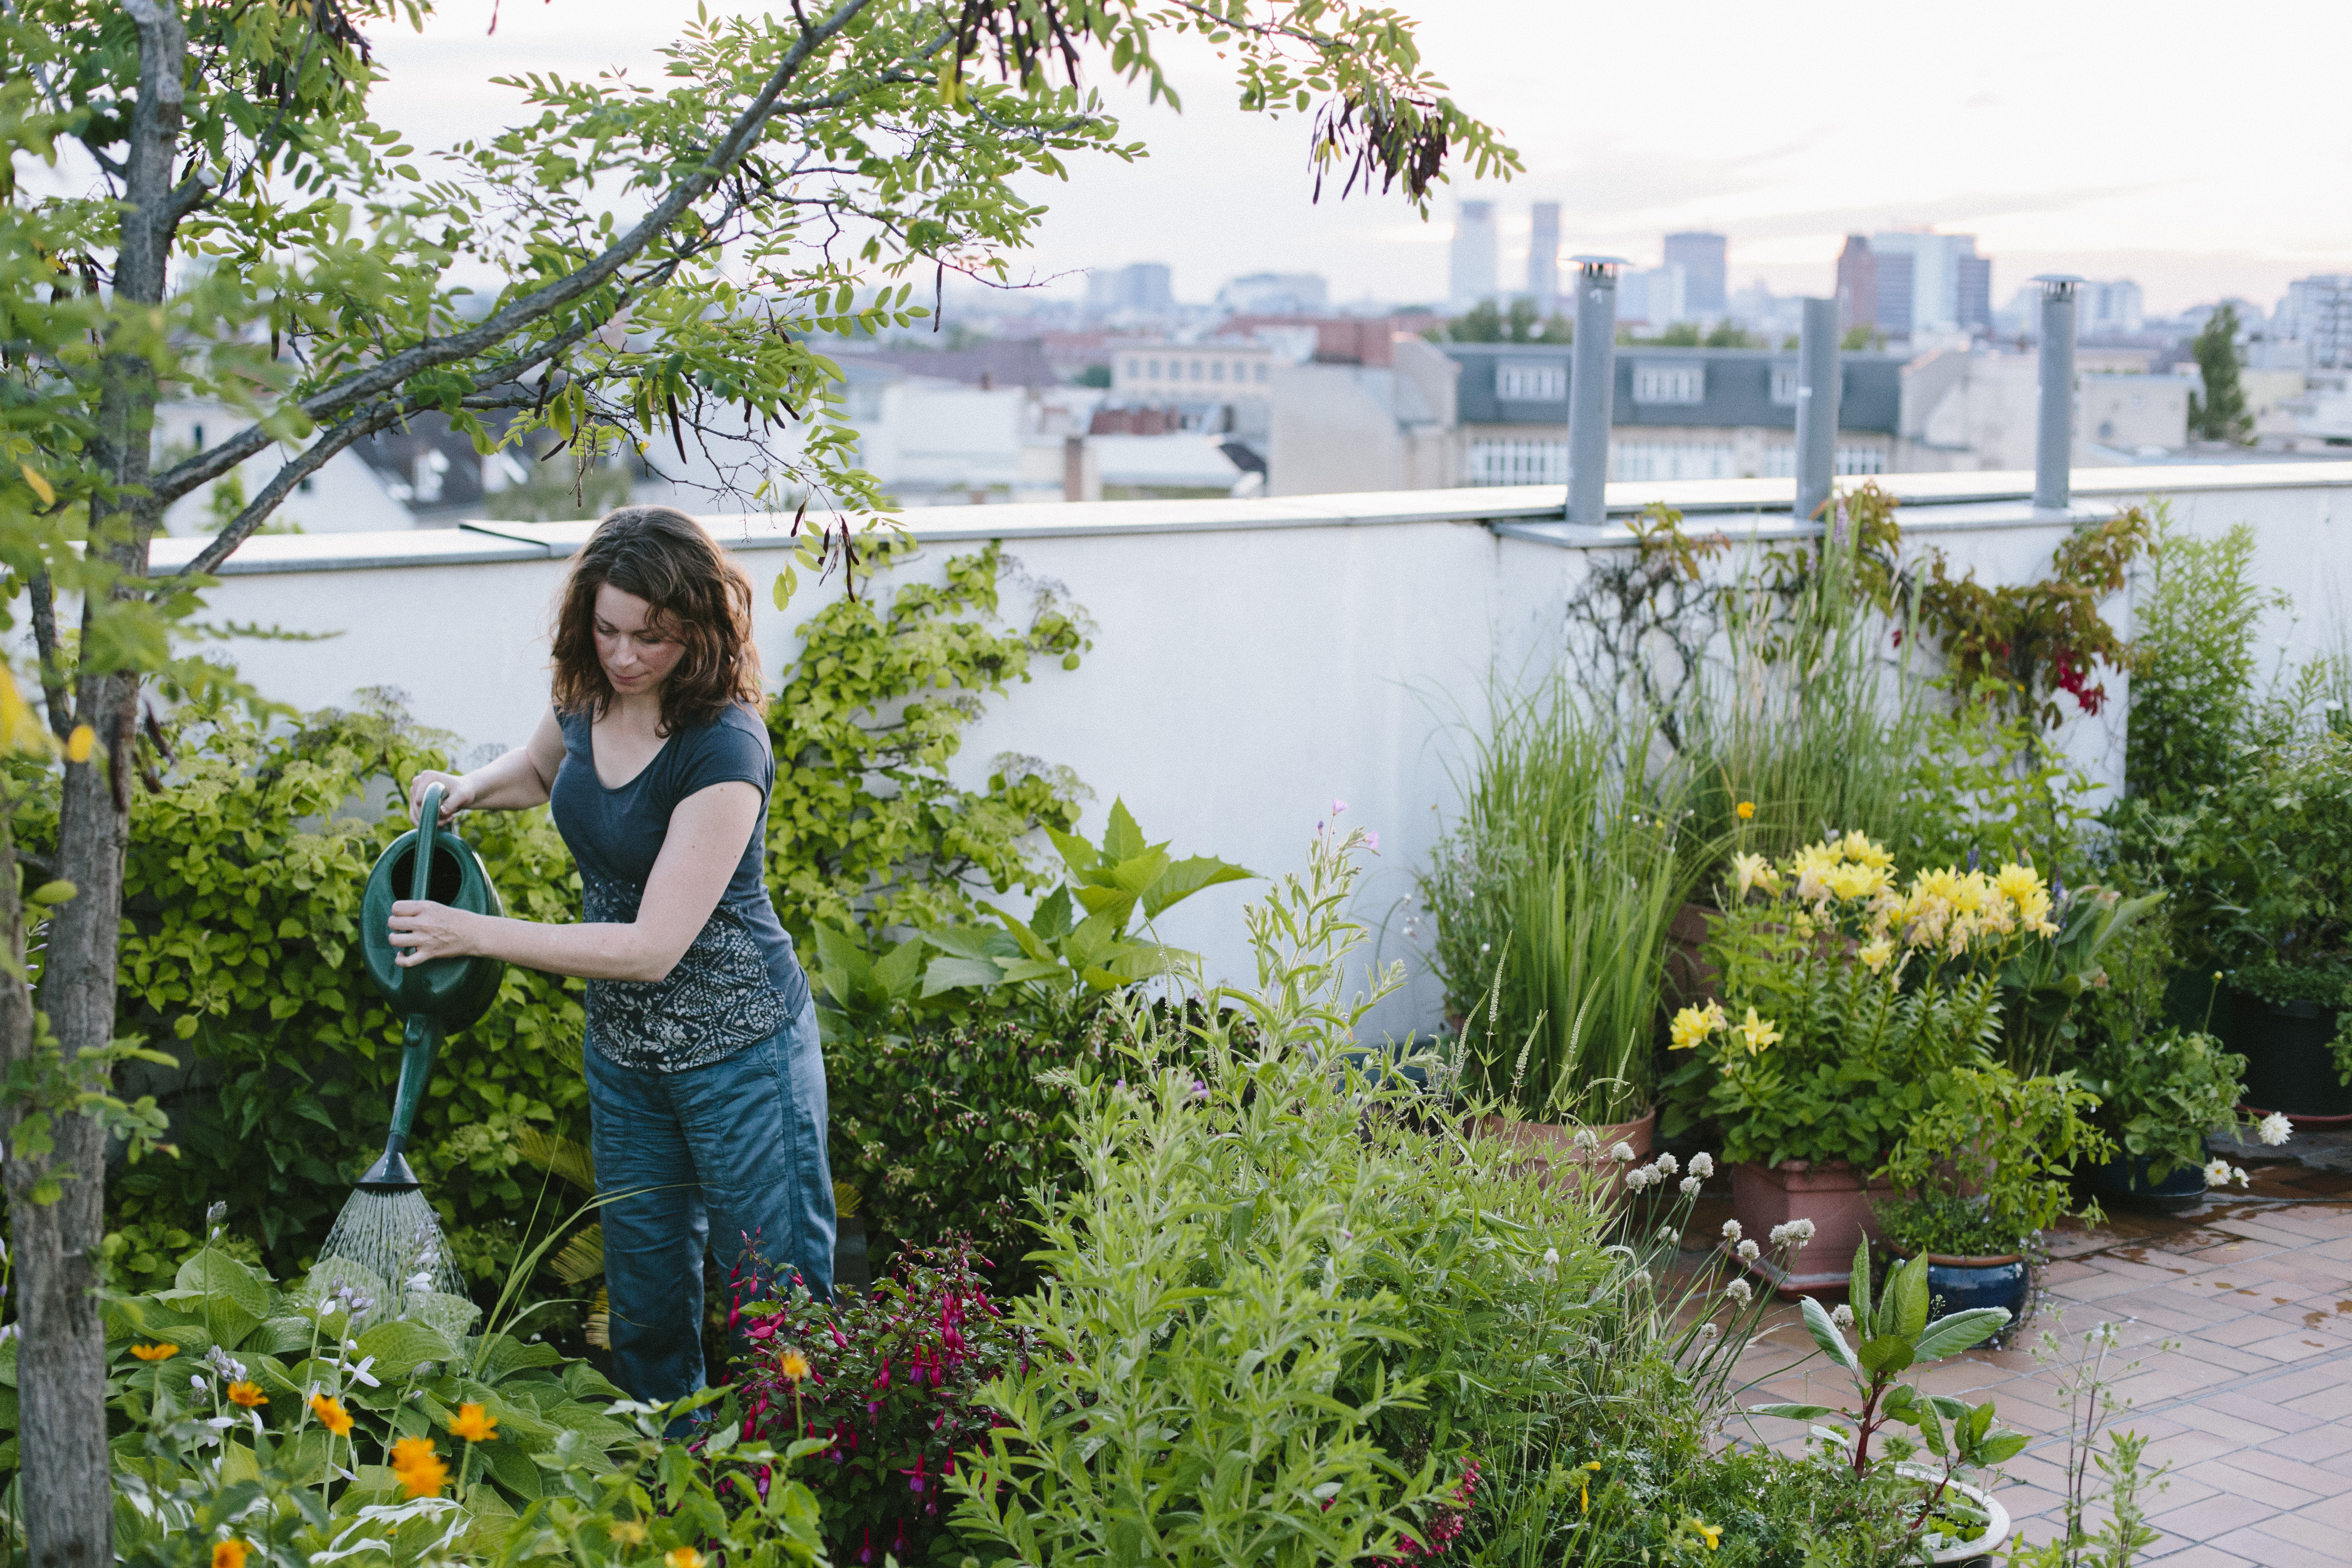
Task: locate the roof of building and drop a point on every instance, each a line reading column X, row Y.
column 1002, row 361
column 1736, row 389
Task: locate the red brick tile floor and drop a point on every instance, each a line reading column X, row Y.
column 2238, row 1317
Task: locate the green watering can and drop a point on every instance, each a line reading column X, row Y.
column 439, row 997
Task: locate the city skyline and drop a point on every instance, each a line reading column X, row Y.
column 2214, row 193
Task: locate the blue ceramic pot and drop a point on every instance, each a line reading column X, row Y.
column 1965, row 1284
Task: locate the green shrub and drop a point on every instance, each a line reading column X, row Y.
column 2192, row 694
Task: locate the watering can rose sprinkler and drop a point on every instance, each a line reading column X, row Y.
column 387, row 1228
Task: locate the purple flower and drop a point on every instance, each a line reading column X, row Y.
column 1337, row 806
column 1372, row 839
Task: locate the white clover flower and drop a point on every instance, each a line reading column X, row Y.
column 1749, row 1252
column 2274, row 1129
column 1740, row 1291
column 1668, row 1164
column 1842, row 1315
column 1621, row 1152
column 1731, row 1230
column 1701, row 1165
column 1690, row 1186
column 1585, row 1142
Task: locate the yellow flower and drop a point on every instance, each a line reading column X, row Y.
column 1752, row 871
column 154, row 1352
column 1857, row 848
column 1710, row 1533
column 1876, row 954
column 247, row 1394
column 1692, row 1025
column 1757, row 1033
column 1584, row 1489
column 331, row 1415
column 1746, row 809
column 473, row 1425
column 627, row 1532
column 421, row 1470
column 79, row 743
column 228, row 1554
column 682, row 1557
column 793, row 1365
column 1854, row 880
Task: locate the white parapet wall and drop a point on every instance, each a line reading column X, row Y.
column 1254, row 660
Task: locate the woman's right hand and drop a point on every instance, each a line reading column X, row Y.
column 456, row 794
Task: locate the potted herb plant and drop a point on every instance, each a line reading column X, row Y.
column 1983, row 1173
column 1845, row 1003
column 2160, row 1095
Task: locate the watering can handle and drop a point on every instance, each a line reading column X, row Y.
column 429, row 818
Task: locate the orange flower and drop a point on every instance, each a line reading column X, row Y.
column 474, row 1424
column 420, row 1469
column 228, row 1554
column 154, row 1352
column 248, row 1393
column 793, row 1365
column 1746, row 809
column 331, row 1415
column 682, row 1557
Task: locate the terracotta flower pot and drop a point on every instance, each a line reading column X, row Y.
column 1541, row 1145
column 1836, row 1196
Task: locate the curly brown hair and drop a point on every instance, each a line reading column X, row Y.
column 696, row 592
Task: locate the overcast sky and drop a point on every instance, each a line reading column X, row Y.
column 2200, row 151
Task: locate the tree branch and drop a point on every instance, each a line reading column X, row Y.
column 45, row 642
column 389, row 373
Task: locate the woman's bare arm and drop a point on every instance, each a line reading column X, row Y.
column 707, row 835
column 521, row 779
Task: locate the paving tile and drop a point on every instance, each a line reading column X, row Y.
column 2253, row 1480
column 2271, row 1551
column 2180, row 1554
column 2263, row 1412
column 2308, row 1532
column 2204, row 1518
column 2330, row 1404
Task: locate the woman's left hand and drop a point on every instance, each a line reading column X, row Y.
column 427, row 931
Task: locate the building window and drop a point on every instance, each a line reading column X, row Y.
column 1640, row 460
column 1784, row 385
column 1134, row 369
column 1860, row 460
column 1216, row 369
column 1530, row 381
column 1518, row 463
column 1669, row 384
column 1260, row 373
column 1196, row 370
column 1152, row 371
column 1241, row 370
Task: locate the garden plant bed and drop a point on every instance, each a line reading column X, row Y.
column 2253, row 1412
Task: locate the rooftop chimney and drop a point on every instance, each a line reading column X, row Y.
column 1590, row 387
column 2054, row 435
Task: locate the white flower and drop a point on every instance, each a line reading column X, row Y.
column 420, row 1280
column 1666, row 1163
column 1706, row 1333
column 2273, row 1128
column 1796, row 1233
column 1731, row 1230
column 1638, row 1179
column 1585, row 1142
column 1637, row 1280
column 1749, row 1252
column 1621, row 1152
column 329, row 1307
column 195, row 1382
column 1738, row 1290
column 1551, row 1258
column 1842, row 1315
column 359, row 1373
column 1690, row 1186
column 2217, row 1174
column 1701, row 1165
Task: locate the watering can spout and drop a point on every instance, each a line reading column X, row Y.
column 390, row 1174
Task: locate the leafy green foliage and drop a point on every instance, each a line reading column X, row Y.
column 2161, row 1093
column 2009, row 1143
column 2221, row 413
column 2193, row 692
column 1982, row 782
column 1271, row 1295
column 1486, row 322
column 864, row 828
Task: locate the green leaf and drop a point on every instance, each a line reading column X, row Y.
column 1052, row 917
column 1123, row 840
column 1187, row 877
column 1857, row 1295
column 955, row 974
column 900, row 971
column 399, row 1347
column 57, row 892
column 1885, row 1355
column 1909, row 1288
column 1791, row 1412
column 2001, row 1449
column 1952, row 1334
column 1826, row 1335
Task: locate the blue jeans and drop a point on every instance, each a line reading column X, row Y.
column 731, row 1156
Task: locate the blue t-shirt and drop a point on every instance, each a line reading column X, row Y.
column 739, row 982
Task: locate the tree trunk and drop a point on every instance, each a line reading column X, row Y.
column 62, row 1356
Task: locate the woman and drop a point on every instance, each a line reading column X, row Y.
column 706, row 1083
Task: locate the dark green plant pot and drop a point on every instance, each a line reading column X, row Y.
column 2290, row 1063
column 2126, row 1176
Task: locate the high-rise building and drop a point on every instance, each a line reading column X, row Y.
column 1474, row 259
column 2113, row 306
column 1703, row 258
column 1894, row 269
column 1143, row 289
column 2318, row 312
column 1543, row 258
column 1656, row 297
column 1950, row 284
column 1857, row 284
